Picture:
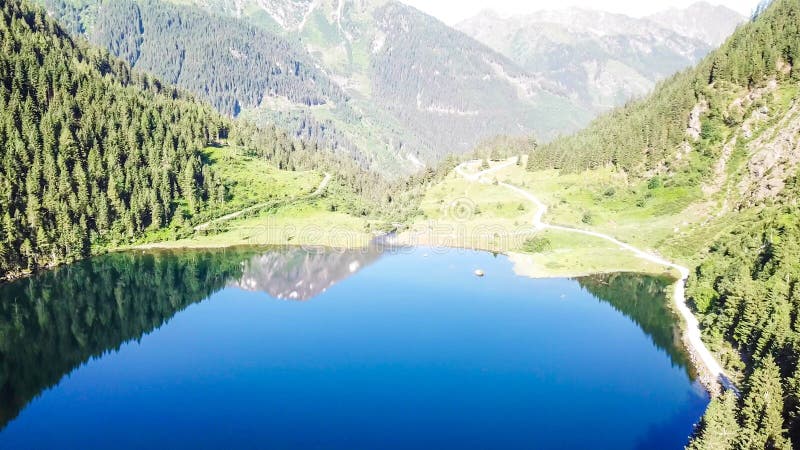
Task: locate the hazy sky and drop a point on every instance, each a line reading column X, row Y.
column 452, row 11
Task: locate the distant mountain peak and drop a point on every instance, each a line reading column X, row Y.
column 709, row 23
column 601, row 58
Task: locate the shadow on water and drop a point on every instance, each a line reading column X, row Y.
column 52, row 323
column 666, row 431
column 644, row 300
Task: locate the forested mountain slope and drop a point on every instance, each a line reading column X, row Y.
column 92, row 151
column 96, row 155
column 725, row 137
column 453, row 90
column 230, row 64
column 603, row 59
column 426, row 89
column 233, row 65
column 747, row 292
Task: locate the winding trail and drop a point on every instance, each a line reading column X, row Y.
column 204, row 226
column 711, row 371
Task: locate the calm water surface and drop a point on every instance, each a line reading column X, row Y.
column 288, row 348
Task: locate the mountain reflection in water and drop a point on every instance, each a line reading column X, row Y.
column 302, row 274
column 54, row 322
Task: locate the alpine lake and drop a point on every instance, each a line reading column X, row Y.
column 339, row 349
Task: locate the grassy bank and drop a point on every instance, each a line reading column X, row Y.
column 295, row 224
column 465, row 214
column 280, row 208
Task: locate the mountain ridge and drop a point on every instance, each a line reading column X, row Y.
column 350, row 39
column 602, row 59
column 378, row 79
column 692, row 21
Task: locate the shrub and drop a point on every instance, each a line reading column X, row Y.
column 537, row 245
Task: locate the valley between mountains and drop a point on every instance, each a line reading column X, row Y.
column 576, row 143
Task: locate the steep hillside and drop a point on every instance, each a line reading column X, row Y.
column 231, row 65
column 694, row 110
column 456, row 91
column 706, row 170
column 439, row 90
column 98, row 156
column 601, row 59
column 94, row 152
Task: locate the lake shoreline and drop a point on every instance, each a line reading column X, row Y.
column 239, row 329
column 690, row 334
column 710, row 371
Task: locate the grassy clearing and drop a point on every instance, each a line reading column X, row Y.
column 485, row 202
column 500, row 221
column 297, row 224
column 250, row 181
column 291, row 217
column 646, row 215
column 670, row 215
column 460, row 213
column 572, row 255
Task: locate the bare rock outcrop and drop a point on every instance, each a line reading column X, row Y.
column 775, row 157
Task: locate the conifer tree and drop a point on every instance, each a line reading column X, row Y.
column 719, row 428
column 762, row 410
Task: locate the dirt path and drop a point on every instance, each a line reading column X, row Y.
column 204, row 226
column 711, row 371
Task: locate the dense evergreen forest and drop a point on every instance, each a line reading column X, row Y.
column 503, row 147
column 747, row 292
column 224, row 61
column 93, row 152
column 323, row 133
column 57, row 320
column 96, row 154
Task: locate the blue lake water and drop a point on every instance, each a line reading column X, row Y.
column 292, row 348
